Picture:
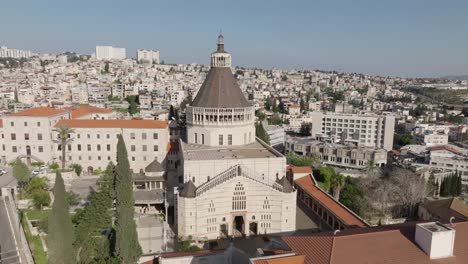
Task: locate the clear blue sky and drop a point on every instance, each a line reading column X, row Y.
column 391, row 37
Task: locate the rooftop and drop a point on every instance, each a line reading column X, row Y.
column 344, row 214
column 40, row 112
column 251, row 151
column 220, row 90
column 77, row 123
column 385, row 244
column 77, row 112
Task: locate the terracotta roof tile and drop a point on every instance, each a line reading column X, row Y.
column 87, row 110
column 387, row 244
column 282, row 260
column 40, row 112
column 300, row 169
column 339, row 210
column 77, row 123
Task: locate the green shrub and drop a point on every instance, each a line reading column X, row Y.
column 40, row 199
column 54, row 166
column 37, row 163
column 77, row 168
column 98, row 172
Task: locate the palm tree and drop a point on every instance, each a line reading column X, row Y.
column 64, row 133
column 337, row 182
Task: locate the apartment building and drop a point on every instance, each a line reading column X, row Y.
column 338, row 155
column 363, row 130
column 151, row 56
column 110, row 53
column 14, row 53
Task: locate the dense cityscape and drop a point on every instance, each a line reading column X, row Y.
column 113, row 157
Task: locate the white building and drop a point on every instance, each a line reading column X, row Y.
column 233, row 184
column 363, row 130
column 14, row 53
column 110, row 53
column 30, row 135
column 151, row 56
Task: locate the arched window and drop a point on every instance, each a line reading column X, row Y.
column 266, row 203
column 239, row 199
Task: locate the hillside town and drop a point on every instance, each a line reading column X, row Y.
column 226, row 164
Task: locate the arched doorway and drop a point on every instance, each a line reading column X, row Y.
column 90, row 170
column 238, row 226
column 253, row 228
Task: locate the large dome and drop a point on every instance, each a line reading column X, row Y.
column 220, row 90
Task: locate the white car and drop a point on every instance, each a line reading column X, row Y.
column 3, row 171
column 43, row 167
column 35, row 172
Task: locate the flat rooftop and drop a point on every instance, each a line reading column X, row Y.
column 251, row 151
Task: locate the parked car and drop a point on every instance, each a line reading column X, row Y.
column 35, row 172
column 43, row 167
column 3, row 171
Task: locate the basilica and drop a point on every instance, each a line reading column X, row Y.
column 233, row 183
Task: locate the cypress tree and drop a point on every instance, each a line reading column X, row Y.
column 459, row 185
column 453, row 184
column 448, row 185
column 437, row 191
column 127, row 248
column 93, row 222
column 60, row 238
column 442, row 190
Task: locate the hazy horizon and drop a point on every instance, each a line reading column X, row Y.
column 416, row 39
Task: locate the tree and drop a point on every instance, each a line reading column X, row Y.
column 106, row 67
column 431, row 186
column 21, row 172
column 40, row 198
column 306, row 129
column 133, row 105
column 261, row 133
column 411, row 189
column 372, row 169
column 302, row 105
column 126, row 245
column 337, row 182
column 325, row 175
column 275, row 119
column 64, row 133
column 352, row 196
column 77, row 168
column 60, row 238
column 299, row 160
column 94, row 222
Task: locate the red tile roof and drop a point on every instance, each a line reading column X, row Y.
column 85, row 123
column 444, row 147
column 388, row 244
column 87, row 110
column 339, row 210
column 40, row 112
column 282, row 260
column 300, row 169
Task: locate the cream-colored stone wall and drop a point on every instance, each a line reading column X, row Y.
column 103, row 147
column 202, row 217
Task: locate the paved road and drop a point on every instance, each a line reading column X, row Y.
column 7, row 241
column 7, row 180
